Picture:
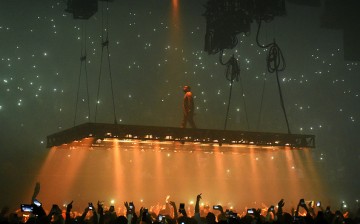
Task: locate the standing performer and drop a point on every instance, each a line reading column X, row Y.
column 188, row 108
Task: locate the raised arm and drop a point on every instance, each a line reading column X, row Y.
column 130, row 211
column 100, row 210
column 173, row 204
column 68, row 210
column 197, row 209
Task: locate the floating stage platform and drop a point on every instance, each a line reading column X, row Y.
column 184, row 135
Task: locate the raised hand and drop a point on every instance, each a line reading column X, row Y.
column 219, row 208
column 100, row 208
column 69, row 206
column 281, row 203
column 173, row 204
column 36, row 191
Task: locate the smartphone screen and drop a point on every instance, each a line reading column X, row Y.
column 37, row 203
column 26, row 208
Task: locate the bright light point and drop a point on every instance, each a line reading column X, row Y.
column 45, row 54
column 168, row 155
column 112, row 201
column 191, row 202
column 293, row 167
column 141, row 200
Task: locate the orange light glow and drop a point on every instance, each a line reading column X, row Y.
column 118, row 171
column 175, row 4
column 147, row 172
column 61, row 170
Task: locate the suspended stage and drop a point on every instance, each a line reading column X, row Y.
column 184, row 135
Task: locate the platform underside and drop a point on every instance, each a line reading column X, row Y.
column 183, row 135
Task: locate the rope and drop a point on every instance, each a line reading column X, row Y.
column 232, row 73
column 83, row 54
column 261, row 104
column 228, row 107
column 105, row 43
column 275, row 62
column 245, row 107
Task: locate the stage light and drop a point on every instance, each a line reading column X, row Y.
column 175, row 3
column 98, row 141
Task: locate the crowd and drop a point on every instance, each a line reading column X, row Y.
column 305, row 213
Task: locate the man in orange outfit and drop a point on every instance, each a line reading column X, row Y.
column 188, row 108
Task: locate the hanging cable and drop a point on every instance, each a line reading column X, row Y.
column 105, row 43
column 261, row 104
column 245, row 107
column 83, row 55
column 275, row 62
column 232, row 73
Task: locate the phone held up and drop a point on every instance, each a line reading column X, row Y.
column 37, row 203
column 26, row 208
column 250, row 211
column 131, row 206
column 182, row 207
